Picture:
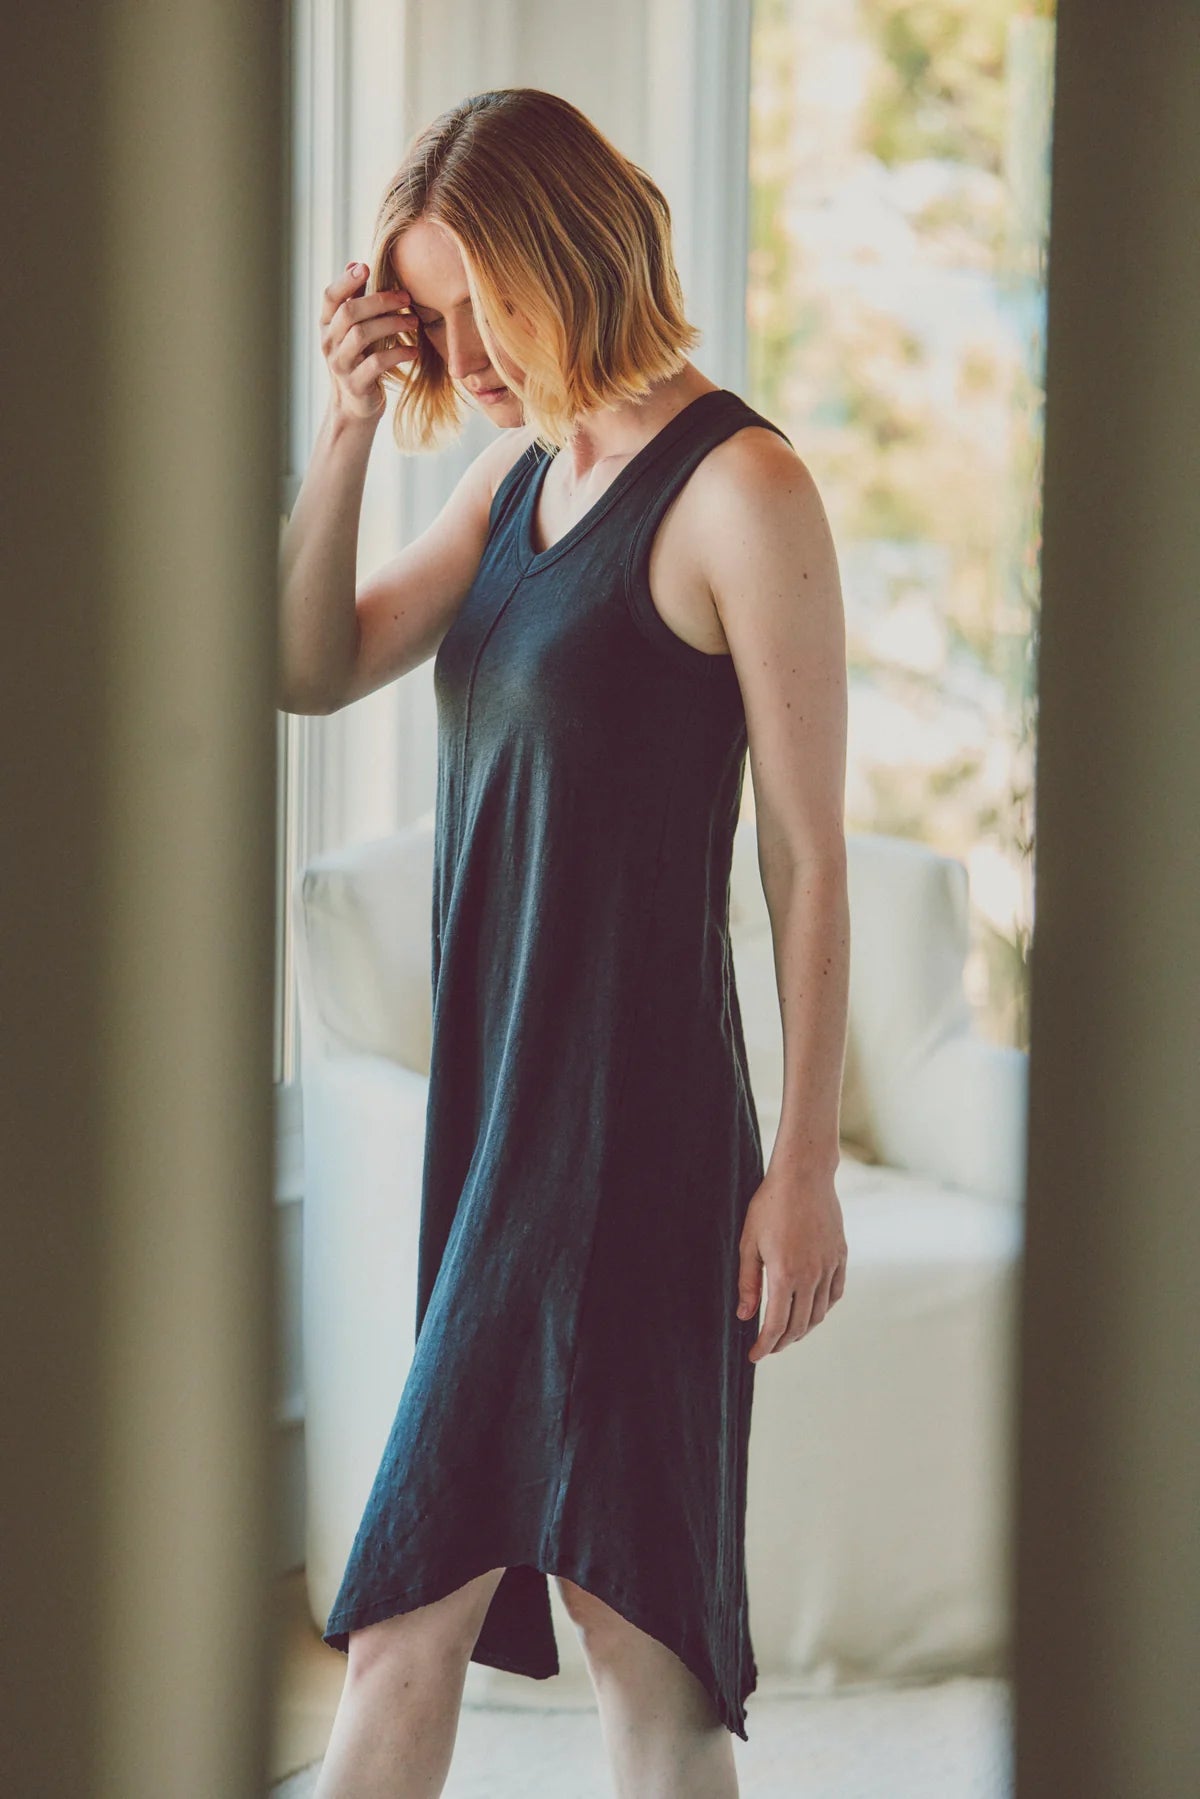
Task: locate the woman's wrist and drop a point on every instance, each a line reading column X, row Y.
column 343, row 425
column 803, row 1156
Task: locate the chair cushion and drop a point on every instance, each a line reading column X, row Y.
column 363, row 929
column 878, row 1526
column 908, row 944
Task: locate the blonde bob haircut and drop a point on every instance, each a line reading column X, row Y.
column 567, row 251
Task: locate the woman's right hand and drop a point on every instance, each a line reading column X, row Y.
column 352, row 323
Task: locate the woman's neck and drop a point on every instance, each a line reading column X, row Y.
column 616, row 433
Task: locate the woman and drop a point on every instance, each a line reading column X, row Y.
column 633, row 584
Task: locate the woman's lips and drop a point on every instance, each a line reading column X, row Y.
column 490, row 394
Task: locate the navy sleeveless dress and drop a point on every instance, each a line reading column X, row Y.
column 579, row 1397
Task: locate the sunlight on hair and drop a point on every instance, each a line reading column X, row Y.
column 567, row 249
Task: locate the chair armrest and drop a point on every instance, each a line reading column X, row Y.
column 960, row 1117
column 362, row 918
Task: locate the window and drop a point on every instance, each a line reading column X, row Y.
column 899, row 182
column 370, row 767
column 285, row 725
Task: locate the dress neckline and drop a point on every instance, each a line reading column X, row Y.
column 532, row 558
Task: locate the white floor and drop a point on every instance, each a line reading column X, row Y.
column 950, row 1740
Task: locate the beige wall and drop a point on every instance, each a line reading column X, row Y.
column 1108, row 1593
column 142, row 301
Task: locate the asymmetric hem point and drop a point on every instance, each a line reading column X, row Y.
column 731, row 1707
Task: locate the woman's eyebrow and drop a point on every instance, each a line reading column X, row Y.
column 420, row 306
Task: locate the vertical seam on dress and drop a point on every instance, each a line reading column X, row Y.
column 466, row 728
column 513, row 489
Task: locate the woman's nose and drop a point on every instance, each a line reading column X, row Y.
column 465, row 354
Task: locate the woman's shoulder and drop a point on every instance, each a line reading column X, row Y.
column 751, row 499
column 755, row 465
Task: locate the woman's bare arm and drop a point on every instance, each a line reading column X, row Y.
column 317, row 555
column 769, row 558
column 339, row 643
column 335, row 643
column 773, row 572
column 406, row 607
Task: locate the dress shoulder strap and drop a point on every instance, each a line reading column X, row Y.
column 715, row 416
column 511, row 487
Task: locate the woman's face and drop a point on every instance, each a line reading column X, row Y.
column 428, row 264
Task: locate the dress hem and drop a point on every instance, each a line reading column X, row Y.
column 732, row 1711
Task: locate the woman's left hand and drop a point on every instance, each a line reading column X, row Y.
column 793, row 1230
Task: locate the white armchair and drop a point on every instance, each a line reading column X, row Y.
column 879, row 1491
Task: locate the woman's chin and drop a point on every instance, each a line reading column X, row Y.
column 507, row 410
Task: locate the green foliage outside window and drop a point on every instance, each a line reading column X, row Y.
column 898, row 222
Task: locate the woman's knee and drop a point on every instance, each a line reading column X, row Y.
column 602, row 1629
column 443, row 1631
column 622, row 1656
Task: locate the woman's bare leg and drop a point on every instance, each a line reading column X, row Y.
column 397, row 1719
column 661, row 1730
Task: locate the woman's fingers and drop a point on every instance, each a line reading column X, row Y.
column 362, row 336
column 821, row 1299
column 749, row 1277
column 361, row 319
column 803, row 1261
column 795, row 1309
column 775, row 1318
column 349, row 282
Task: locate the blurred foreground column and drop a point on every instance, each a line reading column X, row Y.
column 142, row 317
column 1108, row 1561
